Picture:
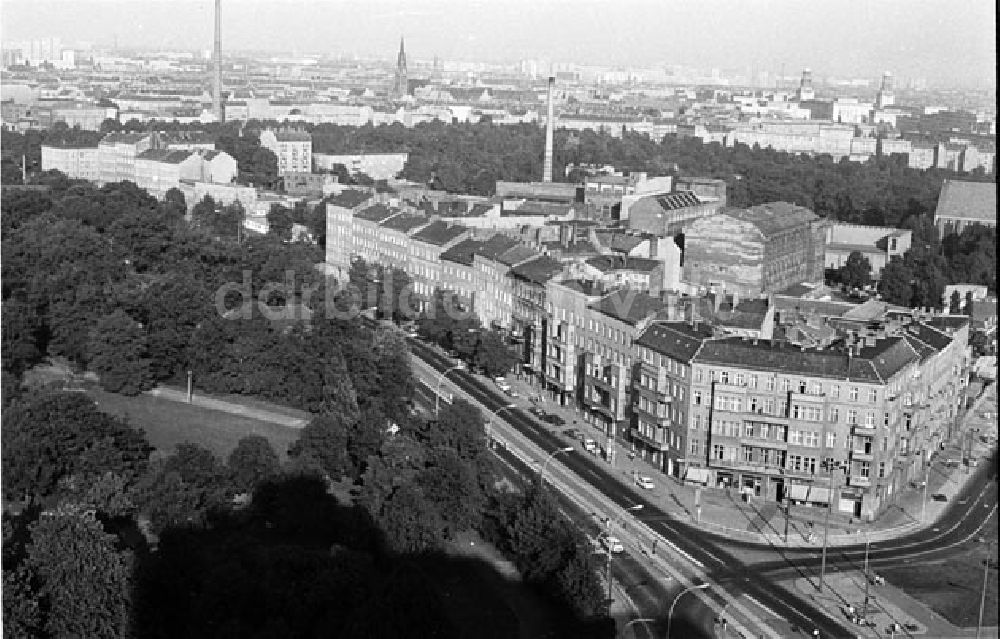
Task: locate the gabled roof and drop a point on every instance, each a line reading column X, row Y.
column 678, row 340
column 124, row 138
column 375, row 213
column 774, row 217
column 497, row 246
column 628, row 305
column 539, row 270
column 967, row 200
column 349, row 198
column 404, row 223
column 517, row 254
column 167, row 156
column 440, row 233
column 607, row 263
column 463, row 253
column 929, row 335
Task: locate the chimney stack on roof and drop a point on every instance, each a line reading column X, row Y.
column 217, row 92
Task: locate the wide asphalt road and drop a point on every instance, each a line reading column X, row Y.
column 719, row 562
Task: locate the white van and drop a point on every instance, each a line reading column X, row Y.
column 590, row 446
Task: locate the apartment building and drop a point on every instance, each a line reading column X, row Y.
column 569, row 301
column 367, row 230
column 426, row 247
column 76, row 162
column 496, row 303
column 292, row 148
column 771, row 419
column 458, row 274
column 392, row 246
column 159, row 170
column 529, row 311
column 340, row 210
column 875, row 243
column 963, row 204
column 117, row 153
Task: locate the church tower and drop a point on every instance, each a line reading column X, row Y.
column 400, row 88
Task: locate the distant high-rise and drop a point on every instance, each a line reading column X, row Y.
column 217, row 69
column 886, row 96
column 400, row 86
column 806, row 86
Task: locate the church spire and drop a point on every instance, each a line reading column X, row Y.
column 401, row 88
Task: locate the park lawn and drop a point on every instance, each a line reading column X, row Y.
column 953, row 588
column 168, row 423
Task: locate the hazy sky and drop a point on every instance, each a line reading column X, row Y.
column 950, row 41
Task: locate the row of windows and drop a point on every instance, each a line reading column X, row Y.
column 785, row 384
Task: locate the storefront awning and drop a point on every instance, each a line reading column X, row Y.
column 696, row 474
column 819, row 495
column 798, row 492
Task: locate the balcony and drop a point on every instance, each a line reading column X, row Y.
column 604, row 409
column 865, row 431
column 859, row 481
column 649, row 441
column 753, row 467
column 860, row 455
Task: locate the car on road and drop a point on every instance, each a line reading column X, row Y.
column 573, row 433
column 939, row 497
column 503, row 385
column 548, row 418
column 510, row 392
column 644, row 482
column 590, row 445
column 612, row 543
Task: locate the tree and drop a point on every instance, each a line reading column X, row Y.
column 460, row 428
column 492, row 355
column 857, row 272
column 51, row 436
column 183, row 489
column 324, row 442
column 896, row 285
column 968, row 303
column 279, row 222
column 22, row 336
column 84, row 579
column 118, row 353
column 452, row 485
column 251, row 462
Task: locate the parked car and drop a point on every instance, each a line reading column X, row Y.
column 939, row 497
column 503, row 386
column 644, row 482
column 573, row 433
column 612, row 543
column 590, row 445
column 511, row 392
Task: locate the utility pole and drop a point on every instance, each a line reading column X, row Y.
column 826, row 525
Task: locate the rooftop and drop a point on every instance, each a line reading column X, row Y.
column 629, row 305
column 538, row 271
column 677, row 340
column 517, row 254
column 404, row 222
column 167, row 156
column 606, row 263
column 375, row 213
column 463, row 253
column 349, row 198
column 967, row 200
column 440, row 233
column 774, row 217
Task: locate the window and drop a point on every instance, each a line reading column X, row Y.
column 864, row 469
column 852, row 417
column 795, row 437
column 698, row 376
column 835, row 391
column 769, row 406
column 748, row 429
column 854, row 393
column 786, row 385
column 754, row 405
column 881, row 469
column 724, row 377
column 870, row 419
column 697, row 422
column 718, row 451
column 769, row 384
column 810, row 438
column 740, row 379
column 747, row 454
column 752, row 381
column 872, row 396
column 697, row 397
column 695, row 447
column 834, row 415
column 831, row 440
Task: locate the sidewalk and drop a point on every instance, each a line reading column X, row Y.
column 723, row 512
column 206, row 401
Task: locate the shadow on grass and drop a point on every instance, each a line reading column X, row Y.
column 297, row 563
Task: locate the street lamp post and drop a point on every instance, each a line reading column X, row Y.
column 826, row 526
column 982, row 597
column 670, row 613
column 607, row 533
column 541, row 471
column 643, row 620
column 868, row 580
column 437, row 392
column 923, row 503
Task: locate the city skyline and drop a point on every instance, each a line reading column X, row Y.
column 854, row 39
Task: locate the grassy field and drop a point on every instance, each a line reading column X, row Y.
column 953, row 588
column 167, row 423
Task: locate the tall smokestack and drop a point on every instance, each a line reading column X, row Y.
column 547, row 174
column 217, row 93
